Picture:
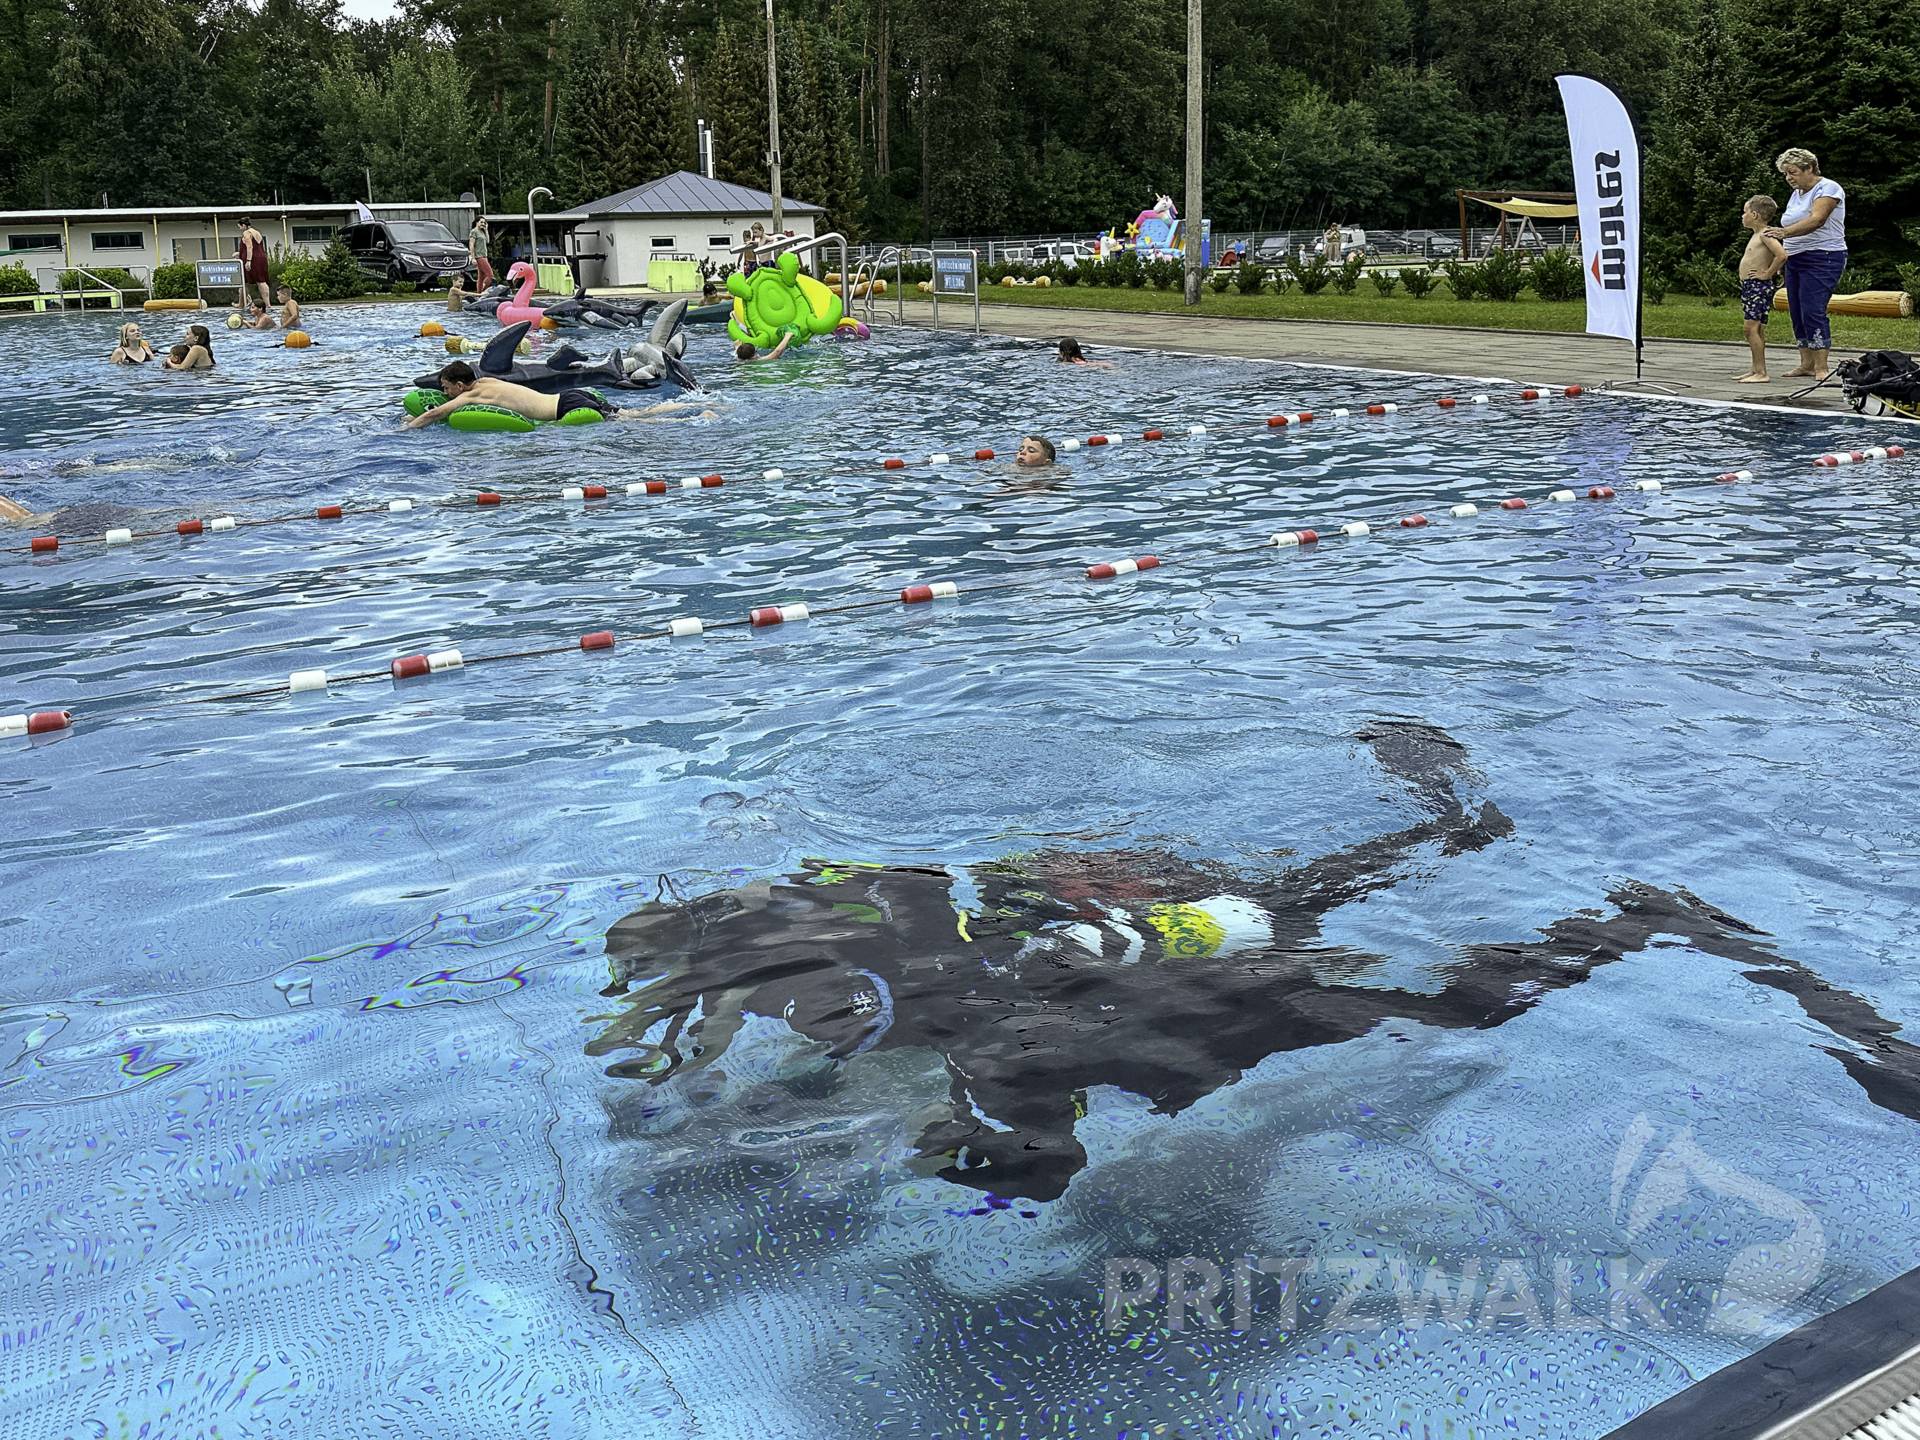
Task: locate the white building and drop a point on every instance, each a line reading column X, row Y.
column 137, row 240
column 676, row 221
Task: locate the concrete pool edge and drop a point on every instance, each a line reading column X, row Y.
column 1594, row 361
column 1818, row 1382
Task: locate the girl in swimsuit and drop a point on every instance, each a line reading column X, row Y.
column 133, row 349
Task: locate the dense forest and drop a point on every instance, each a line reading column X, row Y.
column 989, row 117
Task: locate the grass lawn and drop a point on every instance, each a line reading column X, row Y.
column 1682, row 317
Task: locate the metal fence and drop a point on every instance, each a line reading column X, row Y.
column 1269, row 247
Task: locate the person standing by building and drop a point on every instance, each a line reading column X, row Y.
column 253, row 259
column 478, row 242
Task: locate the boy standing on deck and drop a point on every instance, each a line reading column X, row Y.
column 1760, row 270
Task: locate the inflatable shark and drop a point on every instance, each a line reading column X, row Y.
column 641, row 366
column 1039, row 976
column 581, row 308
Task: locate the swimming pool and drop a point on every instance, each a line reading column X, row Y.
column 308, row 1011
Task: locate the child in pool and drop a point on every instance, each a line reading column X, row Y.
column 746, row 354
column 178, row 358
column 1071, row 354
column 463, row 387
column 1034, row 450
column 132, row 349
column 262, row 317
column 290, row 308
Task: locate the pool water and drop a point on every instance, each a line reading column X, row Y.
column 1483, row 948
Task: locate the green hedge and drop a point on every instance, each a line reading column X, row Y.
column 101, row 275
column 15, row 280
column 173, row 282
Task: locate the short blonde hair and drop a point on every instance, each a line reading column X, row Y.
column 1765, row 206
column 1797, row 159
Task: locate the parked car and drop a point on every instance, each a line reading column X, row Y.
column 1352, row 241
column 418, row 251
column 1068, row 252
column 1432, row 242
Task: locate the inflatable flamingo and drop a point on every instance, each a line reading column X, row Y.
column 520, row 310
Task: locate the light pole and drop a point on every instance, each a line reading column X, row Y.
column 1191, row 210
column 533, row 241
column 773, row 122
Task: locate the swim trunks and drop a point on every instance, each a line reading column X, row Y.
column 571, row 400
column 1756, row 298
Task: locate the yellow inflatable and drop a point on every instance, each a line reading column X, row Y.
column 1892, row 304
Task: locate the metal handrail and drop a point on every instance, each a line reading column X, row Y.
column 898, row 254
column 800, row 245
column 60, row 288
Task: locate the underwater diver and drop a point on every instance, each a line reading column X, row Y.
column 1136, row 968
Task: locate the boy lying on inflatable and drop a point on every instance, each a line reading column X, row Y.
column 464, row 388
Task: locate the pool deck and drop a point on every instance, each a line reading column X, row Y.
column 1687, row 369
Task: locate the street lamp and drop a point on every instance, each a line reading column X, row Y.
column 1192, row 209
column 773, row 122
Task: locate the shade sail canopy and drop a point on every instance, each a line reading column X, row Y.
column 1538, row 209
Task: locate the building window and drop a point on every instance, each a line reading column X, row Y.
column 119, row 240
column 33, row 242
column 312, row 234
column 719, row 242
column 663, row 242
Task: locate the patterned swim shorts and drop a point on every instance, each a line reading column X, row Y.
column 1756, row 298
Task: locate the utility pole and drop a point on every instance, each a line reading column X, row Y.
column 773, row 121
column 1191, row 210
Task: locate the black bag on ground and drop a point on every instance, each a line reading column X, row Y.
column 1888, row 376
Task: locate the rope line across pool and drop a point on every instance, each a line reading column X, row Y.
column 50, row 544
column 410, row 667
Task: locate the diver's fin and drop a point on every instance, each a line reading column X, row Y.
column 668, row 322
column 497, row 358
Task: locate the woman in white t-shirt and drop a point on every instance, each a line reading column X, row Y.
column 1814, row 230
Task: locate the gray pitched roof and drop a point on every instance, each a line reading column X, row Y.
column 685, row 193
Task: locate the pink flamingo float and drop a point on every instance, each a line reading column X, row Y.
column 520, row 310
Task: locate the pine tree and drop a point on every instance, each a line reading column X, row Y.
column 661, row 137
column 733, row 90
column 1704, row 158
column 824, row 168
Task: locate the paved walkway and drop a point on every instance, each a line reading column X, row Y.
column 1691, row 369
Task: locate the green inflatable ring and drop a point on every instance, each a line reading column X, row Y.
column 478, row 419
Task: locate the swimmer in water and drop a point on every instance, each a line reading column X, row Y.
column 199, row 351
column 1034, row 450
column 463, row 388
column 1071, row 354
column 746, row 354
column 262, row 317
column 289, row 310
column 133, row 348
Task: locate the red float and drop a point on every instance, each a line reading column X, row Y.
column 1376, row 409
column 409, row 666
column 1529, row 394
column 1308, row 537
column 45, row 722
column 1573, row 390
column 983, row 454
column 1413, row 522
column 1894, row 452
column 894, row 465
column 1153, row 435
column 486, row 497
column 1304, row 416
column 1600, row 492
column 189, row 527
column 327, row 512
column 1123, row 567
column 1447, row 404
column 1096, row 440
column 656, row 487
column 1276, row 421
column 593, row 492
column 42, row 543
column 1515, row 504
column 711, row 481
column 598, row 640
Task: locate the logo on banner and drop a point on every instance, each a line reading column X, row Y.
column 1610, row 258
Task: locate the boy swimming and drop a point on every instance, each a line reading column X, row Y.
column 1760, row 268
column 463, row 388
column 746, row 354
column 289, row 310
column 1034, row 450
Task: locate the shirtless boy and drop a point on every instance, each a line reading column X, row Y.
column 1760, row 270
column 289, row 310
column 463, row 387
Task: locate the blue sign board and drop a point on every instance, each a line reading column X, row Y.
column 212, row 274
column 955, row 274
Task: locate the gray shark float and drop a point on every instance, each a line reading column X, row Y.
column 1133, row 968
column 579, row 308
column 641, row 366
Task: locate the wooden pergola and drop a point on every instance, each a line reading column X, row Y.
column 1499, row 197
